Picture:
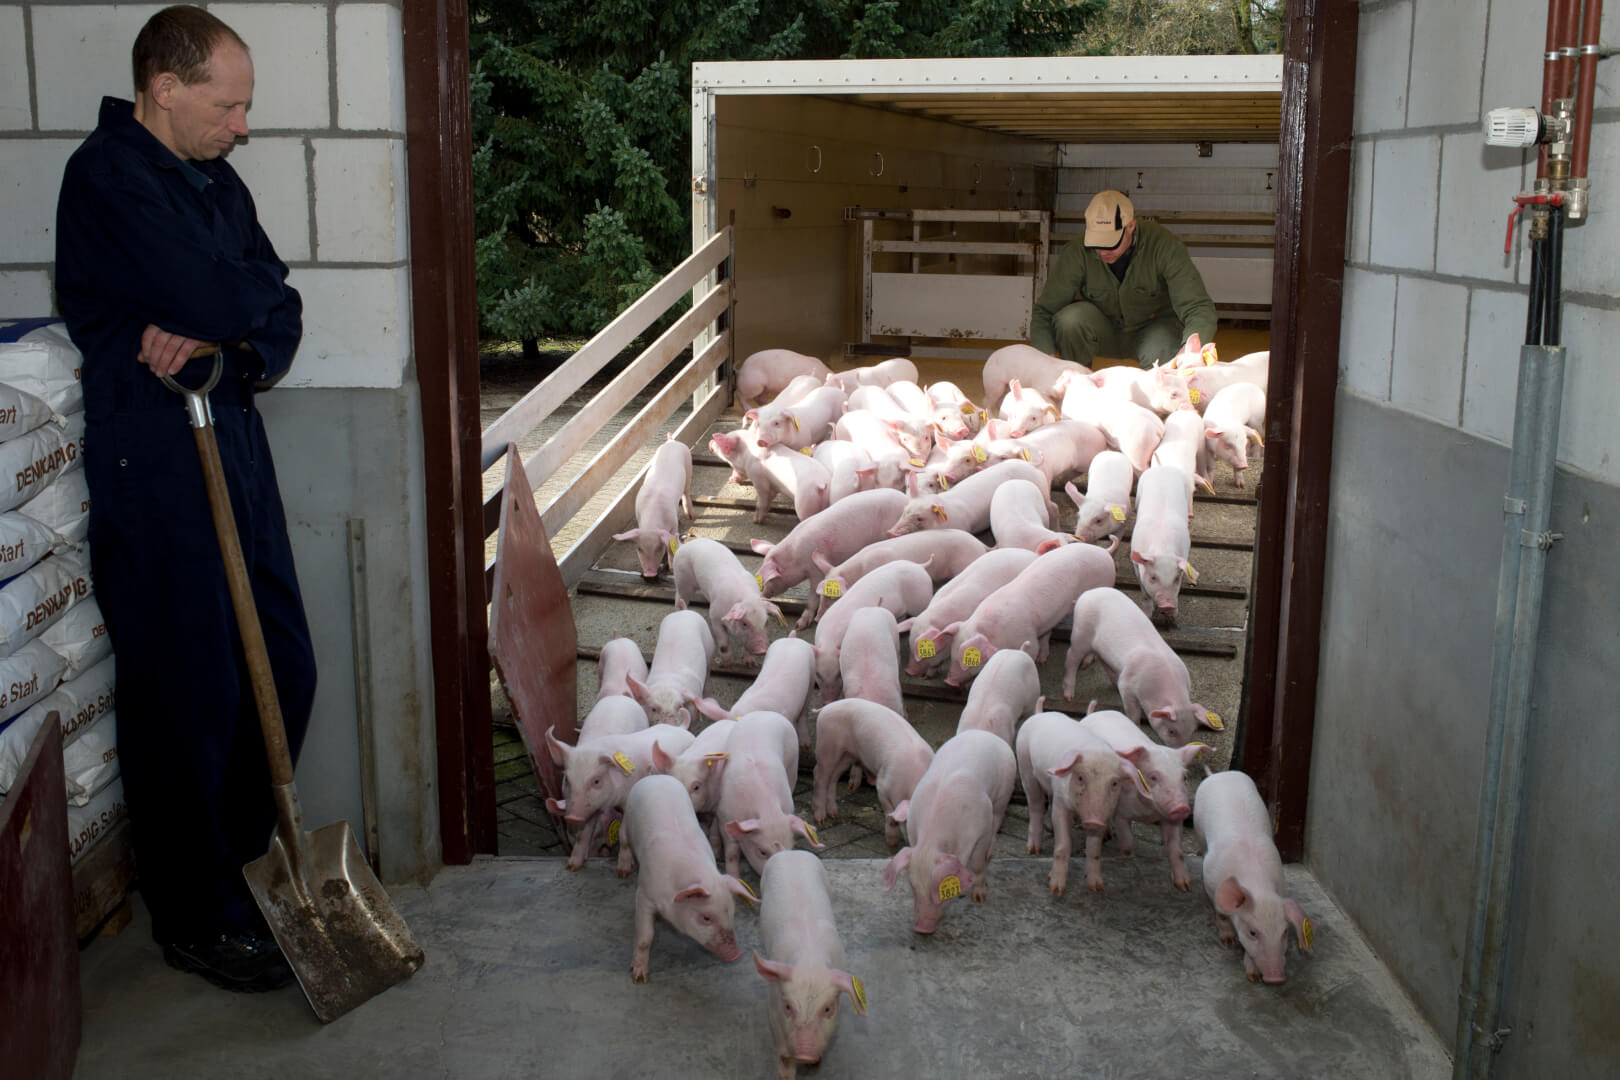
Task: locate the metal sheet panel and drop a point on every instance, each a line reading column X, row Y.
column 952, row 305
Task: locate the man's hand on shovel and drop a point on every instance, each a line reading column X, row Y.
column 167, row 353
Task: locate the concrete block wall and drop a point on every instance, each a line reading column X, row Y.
column 1433, row 317
column 326, row 163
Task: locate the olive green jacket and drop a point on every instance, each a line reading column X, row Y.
column 1160, row 280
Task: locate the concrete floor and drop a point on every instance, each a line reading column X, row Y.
column 527, row 976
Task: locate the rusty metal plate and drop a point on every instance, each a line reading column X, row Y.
column 531, row 627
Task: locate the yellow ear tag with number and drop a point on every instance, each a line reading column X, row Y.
column 831, row 590
column 925, row 649
column 613, row 834
column 623, row 762
column 1192, row 575
column 1118, row 512
column 807, row 451
column 810, row 831
column 1193, row 395
column 673, row 547
column 967, row 407
column 1208, row 354
column 1213, row 720
column 860, row 991
column 1306, row 934
column 795, row 420
column 971, row 657
column 950, row 887
column 760, row 581
column 1145, row 785
column 979, row 455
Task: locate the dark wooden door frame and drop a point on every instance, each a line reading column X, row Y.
column 1290, row 554
column 444, row 323
column 1285, row 620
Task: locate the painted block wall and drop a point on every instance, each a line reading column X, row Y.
column 326, row 163
column 1434, row 313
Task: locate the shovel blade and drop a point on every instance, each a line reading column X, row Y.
column 334, row 922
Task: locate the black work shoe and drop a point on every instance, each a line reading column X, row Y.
column 241, row 961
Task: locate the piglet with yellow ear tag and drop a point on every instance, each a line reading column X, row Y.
column 665, row 492
column 599, row 772
column 679, row 881
column 1243, row 876
column 1162, row 799
column 1160, row 540
column 1231, row 422
column 755, row 812
column 803, row 960
column 1074, row 771
column 951, row 821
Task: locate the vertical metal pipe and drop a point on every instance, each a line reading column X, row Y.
column 1538, row 289
column 1585, row 89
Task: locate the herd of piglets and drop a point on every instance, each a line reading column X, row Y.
column 898, row 488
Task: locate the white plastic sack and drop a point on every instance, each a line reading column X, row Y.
column 28, row 464
column 28, row 675
column 88, row 824
column 24, row 541
column 78, row 704
column 91, row 763
column 80, row 637
column 44, row 363
column 21, row 412
column 38, row 597
column 63, row 507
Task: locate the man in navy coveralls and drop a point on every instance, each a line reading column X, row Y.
column 158, row 251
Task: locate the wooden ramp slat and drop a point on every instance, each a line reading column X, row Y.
column 628, row 588
column 532, row 639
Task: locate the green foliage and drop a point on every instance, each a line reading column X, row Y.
column 581, row 126
column 1184, row 28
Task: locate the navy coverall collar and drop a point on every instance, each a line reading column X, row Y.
column 117, row 118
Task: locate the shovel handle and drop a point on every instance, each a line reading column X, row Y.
column 236, row 577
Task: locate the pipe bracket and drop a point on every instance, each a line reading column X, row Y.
column 1498, row 1039
column 1540, row 540
column 1510, row 505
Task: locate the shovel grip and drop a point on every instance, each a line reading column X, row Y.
column 247, row 612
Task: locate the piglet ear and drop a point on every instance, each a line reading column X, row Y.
column 1068, row 766
column 737, row 613
column 761, row 547
column 1213, row 432
column 661, row 761
column 751, row 415
column 1297, row 919
column 846, row 985
column 1138, row 557
column 771, row 970
column 892, row 868
column 559, row 749
column 805, row 831
column 692, row 892
column 738, row 828
column 1230, row 897
column 557, row 806
column 638, row 690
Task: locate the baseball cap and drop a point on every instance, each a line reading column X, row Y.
column 1106, row 217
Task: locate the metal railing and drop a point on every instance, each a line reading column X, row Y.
column 706, row 327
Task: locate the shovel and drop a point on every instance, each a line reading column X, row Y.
column 330, row 915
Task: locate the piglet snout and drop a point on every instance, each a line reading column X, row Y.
column 1180, row 812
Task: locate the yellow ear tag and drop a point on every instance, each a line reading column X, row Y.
column 624, row 763
column 944, row 482
column 753, row 897
column 971, row 657
column 1192, row 575
column 979, row 455
column 939, row 512
column 1213, row 720
column 810, row 831
column 760, row 581
column 916, row 463
column 1209, row 355
column 1145, row 785
column 1118, row 512
column 860, row 991
column 925, row 649
column 1024, row 454
column 967, row 407
column 795, row 420
column 673, row 547
column 711, row 760
column 613, row 834
column 1306, row 934
column 1193, row 395
column 831, row 590
column 950, row 887
column 807, row 451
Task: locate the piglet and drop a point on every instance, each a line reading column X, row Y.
column 1062, row 764
column 767, row 373
column 782, row 686
column 1183, row 447
column 1018, row 518
column 1243, row 876
column 803, row 961
column 903, row 587
column 864, row 736
column 1204, row 382
column 755, row 811
column 869, row 659
column 890, row 460
column 679, row 881
column 944, row 553
column 706, row 569
column 837, row 533
column 740, row 448
column 911, row 431
column 1152, row 680
column 1007, row 691
column 879, row 374
column 1160, row 541
column 1107, row 502
column 849, row 468
column 1131, row 429
column 1231, row 422
column 699, row 766
column 679, row 671
column 665, row 490
column 598, row 774
column 800, row 477
column 803, row 423
column 1029, row 366
column 955, row 601
column 951, row 823
column 1025, row 409
column 966, row 506
column 1022, row 613
column 1163, row 772
column 619, row 661
column 611, row 715
column 1064, row 448
column 953, row 414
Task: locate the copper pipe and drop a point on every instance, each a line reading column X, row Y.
column 1562, row 16
column 1581, row 139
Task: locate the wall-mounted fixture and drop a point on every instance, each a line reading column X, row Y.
column 1205, row 148
column 814, row 154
